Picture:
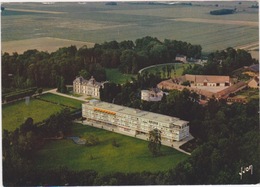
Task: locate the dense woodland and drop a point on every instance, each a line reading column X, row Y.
column 223, row 62
column 226, row 136
column 43, row 69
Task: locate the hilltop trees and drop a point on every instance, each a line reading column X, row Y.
column 222, row 11
column 43, row 69
column 223, row 62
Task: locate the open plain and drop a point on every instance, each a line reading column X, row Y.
column 95, row 22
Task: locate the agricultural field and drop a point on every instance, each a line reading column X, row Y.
column 96, row 23
column 41, row 44
column 132, row 155
column 14, row 114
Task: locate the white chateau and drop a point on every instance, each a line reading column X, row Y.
column 87, row 87
column 134, row 121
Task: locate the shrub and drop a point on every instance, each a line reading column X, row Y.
column 222, row 11
column 92, row 140
column 114, row 143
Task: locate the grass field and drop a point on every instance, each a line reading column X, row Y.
column 14, row 114
column 132, row 155
column 62, row 100
column 96, row 23
column 179, row 67
column 114, row 75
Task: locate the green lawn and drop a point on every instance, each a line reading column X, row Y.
column 114, row 75
column 179, row 67
column 14, row 114
column 131, row 156
column 62, row 100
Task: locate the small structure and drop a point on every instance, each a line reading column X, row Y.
column 237, row 99
column 87, row 87
column 254, row 83
column 181, row 58
column 155, row 94
column 252, row 70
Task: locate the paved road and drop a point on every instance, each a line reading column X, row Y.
column 54, row 91
column 141, row 70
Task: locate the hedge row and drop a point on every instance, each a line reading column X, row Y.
column 222, row 11
column 19, row 94
column 56, row 103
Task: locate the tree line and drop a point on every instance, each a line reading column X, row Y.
column 20, row 145
column 43, row 69
column 222, row 11
column 223, row 62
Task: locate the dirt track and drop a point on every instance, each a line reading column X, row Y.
column 250, row 46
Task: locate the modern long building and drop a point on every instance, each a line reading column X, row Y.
column 135, row 121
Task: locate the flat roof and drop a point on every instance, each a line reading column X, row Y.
column 137, row 113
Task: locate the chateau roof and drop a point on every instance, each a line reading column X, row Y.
column 90, row 82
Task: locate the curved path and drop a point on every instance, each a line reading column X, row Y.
column 152, row 66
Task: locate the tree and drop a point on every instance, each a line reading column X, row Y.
column 39, row 91
column 27, row 126
column 155, row 142
column 61, row 87
column 84, row 73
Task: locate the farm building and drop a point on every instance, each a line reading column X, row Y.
column 134, row 121
column 208, row 86
column 181, row 58
column 254, row 83
column 87, row 87
column 252, row 70
column 205, row 80
column 154, row 94
column 172, row 85
column 237, row 99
